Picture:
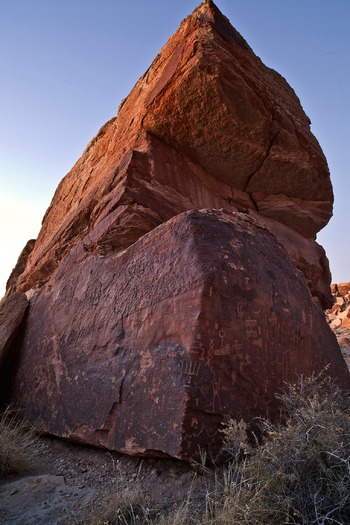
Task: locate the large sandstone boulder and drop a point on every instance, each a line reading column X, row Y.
column 149, row 350
column 151, row 321
column 208, row 125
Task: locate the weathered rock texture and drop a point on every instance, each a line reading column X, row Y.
column 208, row 125
column 149, row 350
column 151, row 321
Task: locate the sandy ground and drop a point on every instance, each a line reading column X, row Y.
column 73, row 484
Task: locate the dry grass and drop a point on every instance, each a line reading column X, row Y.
column 126, row 508
column 299, row 474
column 16, row 445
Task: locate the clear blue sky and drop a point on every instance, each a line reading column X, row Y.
column 66, row 65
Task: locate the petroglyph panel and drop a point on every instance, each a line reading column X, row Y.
column 161, row 343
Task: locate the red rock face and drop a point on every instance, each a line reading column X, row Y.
column 151, row 322
column 148, row 350
column 208, row 125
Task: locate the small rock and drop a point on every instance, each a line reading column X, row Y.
column 336, row 308
column 343, row 288
column 346, row 322
column 331, row 317
column 344, row 314
column 335, row 324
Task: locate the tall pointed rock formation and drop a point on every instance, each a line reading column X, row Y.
column 208, row 125
column 165, row 286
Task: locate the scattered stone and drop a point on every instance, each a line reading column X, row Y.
column 331, row 317
column 339, row 315
column 346, row 322
column 343, row 288
column 339, row 318
column 345, row 313
column 335, row 308
column 336, row 323
column 334, row 289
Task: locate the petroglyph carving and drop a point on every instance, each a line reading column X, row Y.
column 247, row 284
column 191, row 368
column 237, row 346
column 251, row 328
column 224, row 350
column 216, row 393
column 240, row 312
column 222, row 335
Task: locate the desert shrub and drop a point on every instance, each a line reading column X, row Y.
column 300, row 474
column 17, row 442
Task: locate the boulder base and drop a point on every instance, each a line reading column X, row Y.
column 149, row 350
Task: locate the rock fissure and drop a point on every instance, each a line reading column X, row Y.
column 120, row 398
column 266, row 156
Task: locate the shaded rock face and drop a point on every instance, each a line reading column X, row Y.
column 204, row 317
column 12, row 316
column 151, row 321
column 12, row 312
column 208, row 125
